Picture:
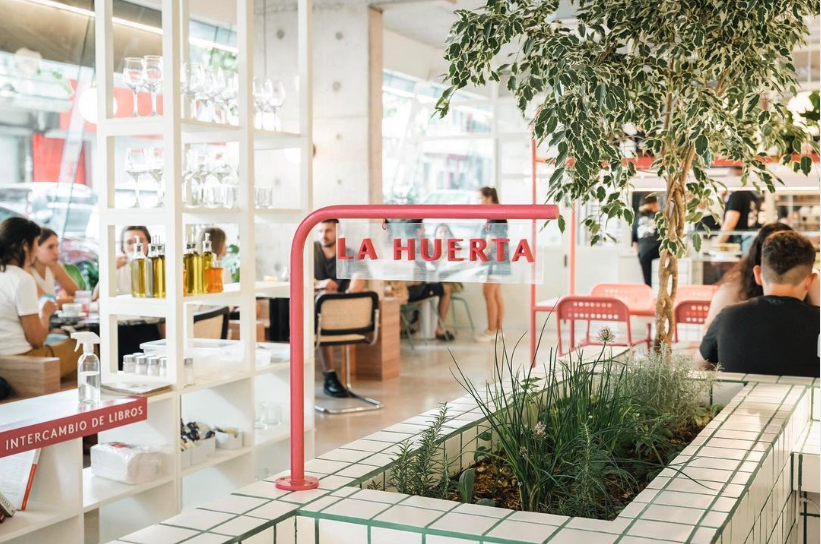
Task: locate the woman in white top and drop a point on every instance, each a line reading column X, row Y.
column 48, row 271
column 23, row 324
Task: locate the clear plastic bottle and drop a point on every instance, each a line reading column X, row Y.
column 159, row 268
column 153, row 366
column 88, row 368
column 129, row 366
column 188, row 369
column 140, row 364
column 137, row 265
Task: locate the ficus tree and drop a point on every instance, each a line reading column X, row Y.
column 686, row 81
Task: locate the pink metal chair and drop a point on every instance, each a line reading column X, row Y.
column 690, row 312
column 696, row 292
column 590, row 308
column 637, row 296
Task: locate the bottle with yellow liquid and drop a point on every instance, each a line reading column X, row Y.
column 137, row 265
column 149, row 271
column 188, row 270
column 158, row 264
column 207, row 258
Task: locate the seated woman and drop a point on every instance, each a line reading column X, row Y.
column 128, row 238
column 47, row 270
column 24, row 326
column 739, row 284
column 219, row 246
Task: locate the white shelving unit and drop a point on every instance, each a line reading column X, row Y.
column 61, row 506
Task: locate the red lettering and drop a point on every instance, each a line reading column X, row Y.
column 398, row 248
column 477, row 249
column 425, row 249
column 341, row 251
column 366, row 250
column 523, row 250
column 453, row 247
column 500, row 248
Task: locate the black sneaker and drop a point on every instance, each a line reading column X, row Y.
column 333, row 387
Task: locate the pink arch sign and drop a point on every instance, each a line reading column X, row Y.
column 296, row 480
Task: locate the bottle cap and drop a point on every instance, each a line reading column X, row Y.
column 206, row 243
column 138, row 245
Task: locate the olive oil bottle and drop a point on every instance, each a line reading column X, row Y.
column 207, row 258
column 158, row 272
column 137, row 265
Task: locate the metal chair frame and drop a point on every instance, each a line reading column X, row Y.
column 372, row 328
column 690, row 312
column 590, row 308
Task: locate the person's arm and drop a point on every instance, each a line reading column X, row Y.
column 723, row 297
column 66, row 283
column 327, row 285
column 730, row 222
column 34, row 323
column 815, row 296
column 357, row 285
column 706, row 356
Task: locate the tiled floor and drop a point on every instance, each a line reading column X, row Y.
column 425, row 380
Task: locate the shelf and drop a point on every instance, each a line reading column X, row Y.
column 211, row 215
column 279, row 289
column 273, row 434
column 99, row 492
column 36, row 516
column 216, row 381
column 133, row 216
column 267, row 139
column 126, row 305
column 273, row 367
column 218, row 457
column 280, row 215
column 192, row 131
column 230, row 296
column 132, row 126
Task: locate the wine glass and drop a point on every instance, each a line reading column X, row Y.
column 135, row 166
column 152, row 78
column 185, row 88
column 155, row 164
column 133, row 76
column 196, row 86
column 276, row 100
column 229, row 97
column 216, row 91
column 262, row 94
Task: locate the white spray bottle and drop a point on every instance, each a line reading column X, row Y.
column 88, row 368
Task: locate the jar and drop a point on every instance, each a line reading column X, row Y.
column 141, row 364
column 163, row 366
column 129, row 367
column 188, row 368
column 153, row 366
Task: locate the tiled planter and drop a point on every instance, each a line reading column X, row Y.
column 747, row 489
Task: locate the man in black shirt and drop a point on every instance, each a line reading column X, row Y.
column 646, row 237
column 741, row 213
column 776, row 333
column 326, row 280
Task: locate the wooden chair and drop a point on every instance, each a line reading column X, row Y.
column 212, row 323
column 590, row 308
column 30, row 376
column 690, row 312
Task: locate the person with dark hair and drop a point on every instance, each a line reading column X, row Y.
column 325, row 279
column 23, row 321
column 49, row 272
column 128, row 239
column 739, row 283
column 646, row 237
column 492, row 291
column 776, row 333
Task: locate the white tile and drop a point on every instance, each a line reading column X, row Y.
column 338, row 532
column 485, row 511
column 372, row 446
column 201, row 520
column 522, row 531
column 209, row 538
column 240, row 525
column 714, row 519
column 576, row 536
column 305, row 530
column 234, row 504
column 660, row 530
column 436, row 539
column 345, row 491
column 376, row 495
column 262, row 488
column 160, row 534
column 693, row 500
column 704, row 535
column 323, row 466
column 391, row 438
column 464, row 523
column 319, row 504
column 380, row 535
column 433, row 504
column 409, row 515
column 304, row 497
column 353, row 508
column 334, row 482
column 348, row 456
column 617, row 526
column 535, row 517
column 675, row 514
column 273, row 510
column 356, row 471
column 377, row 460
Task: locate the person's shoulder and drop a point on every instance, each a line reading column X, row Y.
column 16, row 275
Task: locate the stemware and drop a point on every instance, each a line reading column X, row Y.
column 215, row 92
column 262, row 94
column 153, row 78
column 133, row 76
column 185, row 90
column 229, row 97
column 276, row 99
column 193, row 178
column 196, row 88
column 135, row 166
column 155, row 164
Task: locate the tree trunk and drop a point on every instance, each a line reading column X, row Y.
column 674, row 215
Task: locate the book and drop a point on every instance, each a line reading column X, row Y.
column 135, row 388
column 6, row 508
column 17, row 476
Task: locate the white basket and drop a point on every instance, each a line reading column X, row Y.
column 185, row 458
column 228, row 441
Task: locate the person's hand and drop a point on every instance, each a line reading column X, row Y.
column 331, row 286
column 122, row 260
column 48, row 308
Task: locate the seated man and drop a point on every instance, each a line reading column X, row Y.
column 776, row 333
column 326, row 280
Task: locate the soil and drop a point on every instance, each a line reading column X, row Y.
column 495, row 480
